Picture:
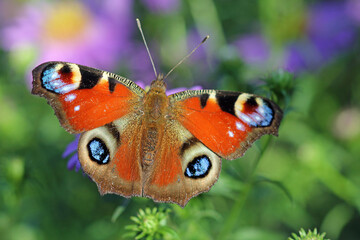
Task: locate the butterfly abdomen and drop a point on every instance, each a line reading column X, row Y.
column 149, row 142
column 155, row 109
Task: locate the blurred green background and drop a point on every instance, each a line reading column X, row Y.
column 303, row 54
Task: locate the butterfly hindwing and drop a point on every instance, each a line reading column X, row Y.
column 84, row 98
column 184, row 167
column 226, row 122
column 110, row 156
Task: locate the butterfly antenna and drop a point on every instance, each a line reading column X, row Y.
column 187, row 56
column 147, row 49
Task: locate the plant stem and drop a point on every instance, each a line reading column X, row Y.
column 240, row 202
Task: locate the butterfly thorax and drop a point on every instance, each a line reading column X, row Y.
column 155, row 101
column 156, row 106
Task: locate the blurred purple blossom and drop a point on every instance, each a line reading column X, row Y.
column 301, row 56
column 193, row 39
column 140, row 65
column 295, row 61
column 165, row 6
column 330, row 29
column 253, row 48
column 73, row 32
column 353, row 10
column 71, row 150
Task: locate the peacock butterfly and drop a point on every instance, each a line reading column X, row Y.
column 144, row 143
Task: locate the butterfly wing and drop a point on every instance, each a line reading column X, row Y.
column 84, row 98
column 104, row 106
column 110, row 156
column 226, row 122
column 203, row 127
column 184, row 167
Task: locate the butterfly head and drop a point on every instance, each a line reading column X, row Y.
column 159, row 84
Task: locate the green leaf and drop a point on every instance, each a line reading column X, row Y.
column 278, row 184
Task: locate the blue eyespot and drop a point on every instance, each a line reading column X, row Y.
column 268, row 115
column 98, row 152
column 261, row 117
column 198, row 168
column 52, row 80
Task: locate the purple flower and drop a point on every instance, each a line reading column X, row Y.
column 253, row 48
column 193, row 39
column 330, row 29
column 71, row 150
column 165, row 6
column 295, row 61
column 301, row 56
column 72, row 32
column 353, row 10
column 140, row 65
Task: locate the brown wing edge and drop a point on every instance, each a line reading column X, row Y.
column 185, row 201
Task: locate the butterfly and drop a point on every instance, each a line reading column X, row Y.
column 144, row 143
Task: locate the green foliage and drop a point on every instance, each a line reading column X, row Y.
column 280, row 86
column 310, row 235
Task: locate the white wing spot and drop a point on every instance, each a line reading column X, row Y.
column 240, row 126
column 77, row 108
column 70, row 97
column 231, row 134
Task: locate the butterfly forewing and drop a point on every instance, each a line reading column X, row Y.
column 84, row 98
column 226, row 122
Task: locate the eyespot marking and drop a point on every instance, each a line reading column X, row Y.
column 247, row 119
column 198, row 168
column 98, row 152
column 56, row 80
column 65, row 69
column 251, row 102
column 266, row 114
column 254, row 111
column 60, row 78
